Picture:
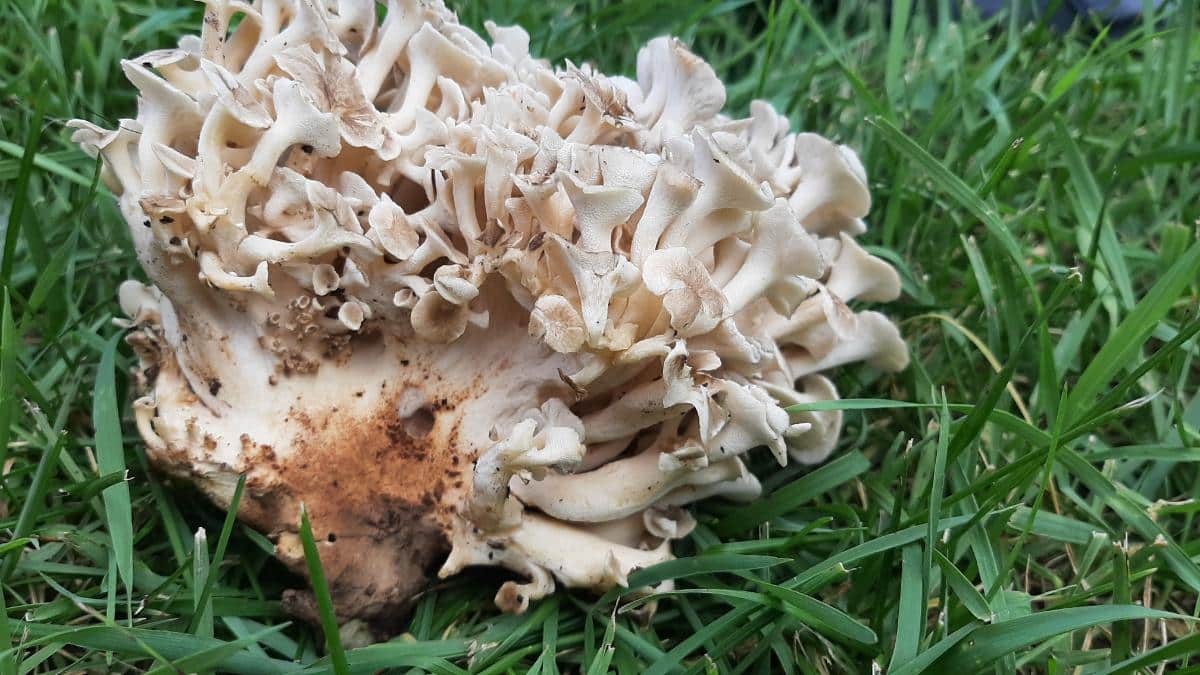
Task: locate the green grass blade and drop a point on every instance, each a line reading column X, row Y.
column 825, row 618
column 702, row 564
column 201, row 574
column 141, row 642
column 52, row 273
column 675, row 656
column 394, row 654
column 937, row 488
column 897, row 49
column 1181, row 52
column 46, row 164
column 922, row 662
column 1158, row 453
column 866, row 549
column 1112, row 398
column 1133, row 330
column 536, row 619
column 730, row 594
column 9, row 394
column 110, row 457
column 1051, row 526
column 910, row 613
column 20, row 200
column 954, row 186
column 1091, row 211
column 316, row 577
column 604, row 654
column 989, row 643
column 1120, row 500
column 1183, row 153
column 861, row 88
column 801, row 491
column 203, row 600
column 217, row 655
column 1184, row 646
column 963, row 589
column 33, row 503
column 1122, row 632
column 973, row 425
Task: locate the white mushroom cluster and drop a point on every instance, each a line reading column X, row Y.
column 467, row 307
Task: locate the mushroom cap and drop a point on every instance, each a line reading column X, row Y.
column 689, row 295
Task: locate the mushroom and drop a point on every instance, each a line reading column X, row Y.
column 831, row 192
column 688, row 294
column 781, row 265
column 555, row 320
column 541, row 309
column 332, row 83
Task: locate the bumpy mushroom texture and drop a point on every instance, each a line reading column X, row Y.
column 471, row 309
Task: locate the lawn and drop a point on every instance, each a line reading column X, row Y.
column 1022, row 498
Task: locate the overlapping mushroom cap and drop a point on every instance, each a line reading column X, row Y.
column 458, row 301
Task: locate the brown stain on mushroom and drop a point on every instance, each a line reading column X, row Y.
column 379, row 488
column 375, row 495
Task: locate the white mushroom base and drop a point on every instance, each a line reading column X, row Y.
column 380, row 450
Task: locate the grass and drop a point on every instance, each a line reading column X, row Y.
column 1022, row 499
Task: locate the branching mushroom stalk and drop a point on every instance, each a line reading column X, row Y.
column 469, row 308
